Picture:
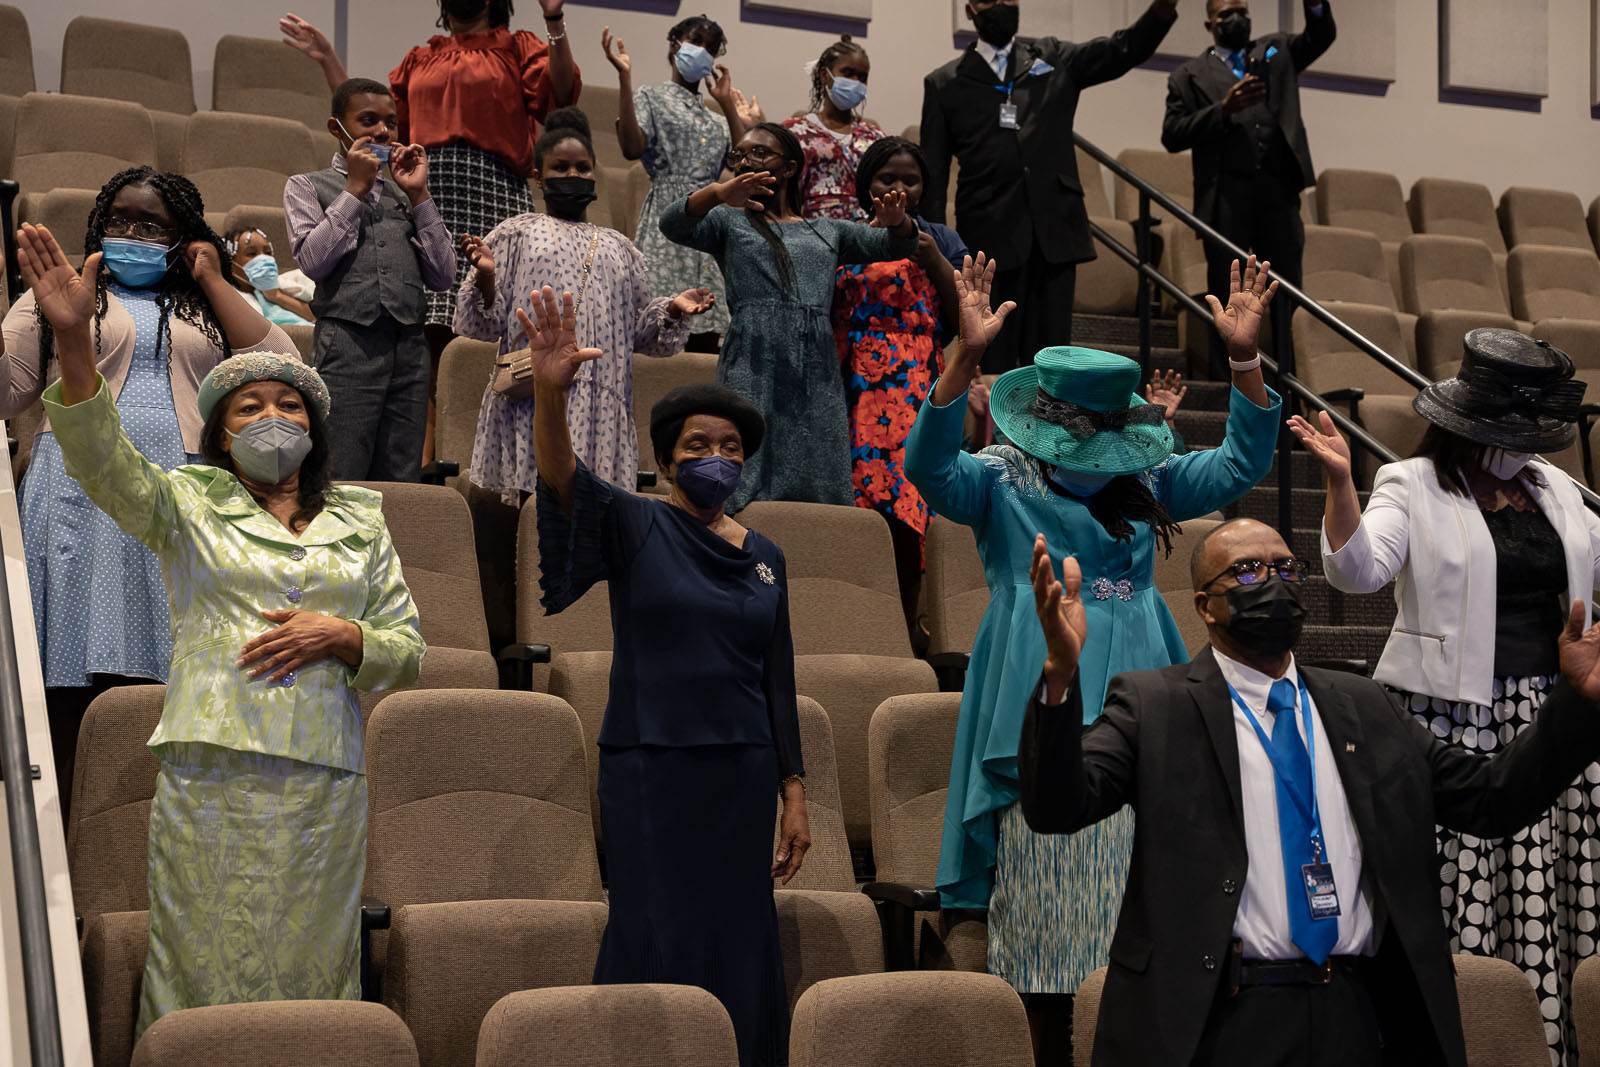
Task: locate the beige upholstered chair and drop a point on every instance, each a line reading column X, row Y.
column 281, row 1033
column 955, row 595
column 1327, row 361
column 1543, row 217
column 1499, row 1014
column 259, row 76
column 583, row 627
column 1086, row 1017
column 136, row 62
column 238, row 159
column 16, row 54
column 1554, row 283
column 77, row 142
column 465, row 369
column 653, row 379
column 1352, row 267
column 1366, row 200
column 911, row 1019
column 113, row 783
column 609, row 1026
column 66, row 213
column 1586, row 1002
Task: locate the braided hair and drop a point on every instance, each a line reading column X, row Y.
column 831, row 55
column 178, row 293
column 1125, row 500
column 789, row 145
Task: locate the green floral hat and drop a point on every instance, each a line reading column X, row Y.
column 230, row 374
column 1080, row 409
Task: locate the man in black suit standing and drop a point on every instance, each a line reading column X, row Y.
column 1236, row 109
column 1283, row 904
column 1004, row 110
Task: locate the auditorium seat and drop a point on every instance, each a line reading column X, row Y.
column 1190, row 626
column 77, row 142
column 113, row 782
column 609, row 1026
column 1086, row 1017
column 262, row 76
column 607, row 208
column 1183, row 257
column 583, row 627
column 8, row 140
column 270, row 221
column 303, row 336
column 603, row 105
column 583, row 680
column 66, row 212
column 1453, row 208
column 918, row 1019
column 1105, row 285
column 1326, row 361
column 1586, row 1002
column 825, row 935
column 1554, row 283
column 1394, row 423
column 1449, row 272
column 1350, row 266
column 1543, row 217
column 654, row 378
column 136, row 62
column 1499, row 1014
column 1578, row 338
column 1594, row 221
column 244, row 159
column 16, row 54
column 115, row 944
column 450, row 963
column 281, row 1033
column 955, row 595
column 1441, row 336
column 1366, row 200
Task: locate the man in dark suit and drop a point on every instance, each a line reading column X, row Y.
column 1236, row 109
column 1004, row 110
column 1283, row 902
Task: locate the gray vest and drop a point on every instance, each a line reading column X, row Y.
column 382, row 275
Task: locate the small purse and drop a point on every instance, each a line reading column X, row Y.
column 513, row 372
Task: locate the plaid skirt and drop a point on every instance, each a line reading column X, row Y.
column 476, row 191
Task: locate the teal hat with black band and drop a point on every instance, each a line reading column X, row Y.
column 1080, row 409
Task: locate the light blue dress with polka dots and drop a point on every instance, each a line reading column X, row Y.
column 98, row 598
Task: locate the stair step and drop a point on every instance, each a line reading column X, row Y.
column 1103, row 331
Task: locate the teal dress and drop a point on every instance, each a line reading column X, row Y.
column 1052, row 900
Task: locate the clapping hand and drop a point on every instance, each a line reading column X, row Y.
column 1061, row 614
column 552, row 339
column 618, row 55
column 408, row 164
column 1327, row 444
column 889, row 210
column 747, row 190
column 476, row 249
column 1239, row 323
column 66, row 297
column 692, row 302
column 1580, row 653
column 749, row 111
column 1167, row 389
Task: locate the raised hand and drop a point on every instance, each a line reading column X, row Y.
column 1167, row 389
column 889, row 210
column 1327, row 444
column 301, row 35
column 476, row 249
column 750, row 112
column 1240, row 322
column 409, row 166
column 1580, row 653
column 980, row 323
column 747, row 190
column 616, row 52
column 552, row 8
column 1061, row 613
column 66, row 297
column 692, row 302
column 552, row 339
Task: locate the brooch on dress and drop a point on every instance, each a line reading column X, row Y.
column 1104, row 589
column 764, row 572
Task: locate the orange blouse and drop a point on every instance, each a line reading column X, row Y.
column 490, row 90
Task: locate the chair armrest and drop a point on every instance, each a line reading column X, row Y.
column 516, row 665
column 951, row 669
column 646, row 480
column 1348, row 666
column 898, row 905
column 439, row 470
column 915, row 897
column 1349, row 394
column 374, row 916
column 9, row 191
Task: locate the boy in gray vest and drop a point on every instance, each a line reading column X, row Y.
column 373, row 244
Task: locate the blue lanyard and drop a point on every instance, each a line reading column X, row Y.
column 1314, row 816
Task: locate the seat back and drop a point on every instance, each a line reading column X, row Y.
column 1346, row 265
column 653, row 379
column 1578, row 338
column 113, row 783
column 1449, row 272
column 608, row 1026
column 1093, row 177
column 1586, row 1002
column 1363, row 200
column 131, row 61
column 279, row 1033
column 477, row 795
column 16, row 53
column 270, row 221
column 1086, row 1017
column 66, row 212
column 1190, row 626
column 1393, row 421
column 1327, row 361
column 244, row 159
column 77, row 142
column 259, row 76
column 909, row 748
column 1543, row 217
column 1441, row 337
column 465, row 368
column 584, row 626
column 827, row 864
column 603, row 105
column 1499, row 1013
column 910, row 1019
column 954, row 590
column 1172, row 173
column 432, row 532
column 1456, row 209
column 841, row 566
column 1172, row 568
column 1554, row 283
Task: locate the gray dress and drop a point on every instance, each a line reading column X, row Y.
column 780, row 351
column 685, row 145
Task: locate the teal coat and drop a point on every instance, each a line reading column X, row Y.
column 1002, row 494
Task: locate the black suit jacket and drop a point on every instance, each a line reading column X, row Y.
column 1166, row 745
column 1021, row 186
column 1220, row 146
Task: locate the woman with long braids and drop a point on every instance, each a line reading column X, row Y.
column 779, row 267
column 164, row 315
column 833, row 134
column 1090, row 466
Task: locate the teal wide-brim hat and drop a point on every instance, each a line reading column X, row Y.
column 232, row 373
column 1080, row 409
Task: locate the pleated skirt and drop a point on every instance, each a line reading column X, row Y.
column 688, row 836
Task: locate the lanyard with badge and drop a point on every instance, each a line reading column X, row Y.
column 1009, row 118
column 1321, row 893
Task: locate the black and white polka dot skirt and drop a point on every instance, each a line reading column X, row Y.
column 1530, row 898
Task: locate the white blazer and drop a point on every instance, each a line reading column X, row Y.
column 1436, row 548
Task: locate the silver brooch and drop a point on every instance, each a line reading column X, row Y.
column 764, row 572
column 1104, row 589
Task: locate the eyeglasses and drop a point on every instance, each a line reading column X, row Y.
column 757, row 154
column 116, row 226
column 1251, row 571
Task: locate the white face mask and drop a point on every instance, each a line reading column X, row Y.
column 1505, row 465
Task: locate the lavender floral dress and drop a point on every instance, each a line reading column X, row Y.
column 615, row 314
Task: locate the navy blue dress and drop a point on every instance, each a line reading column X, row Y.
column 700, row 729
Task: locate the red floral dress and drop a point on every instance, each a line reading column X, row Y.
column 828, row 187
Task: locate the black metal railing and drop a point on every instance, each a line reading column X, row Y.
column 27, row 865
column 1289, row 299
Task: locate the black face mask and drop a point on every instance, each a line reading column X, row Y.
column 1233, row 30
column 997, row 25
column 465, row 10
column 568, row 198
column 1265, row 617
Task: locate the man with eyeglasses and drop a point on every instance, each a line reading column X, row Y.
column 1004, row 110
column 1283, row 904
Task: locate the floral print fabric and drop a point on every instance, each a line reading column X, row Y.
column 828, row 187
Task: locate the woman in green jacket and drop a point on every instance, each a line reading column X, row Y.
column 286, row 597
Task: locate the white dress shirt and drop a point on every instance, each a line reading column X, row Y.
column 997, row 58
column 1262, row 923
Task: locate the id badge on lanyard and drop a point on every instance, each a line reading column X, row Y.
column 1008, row 114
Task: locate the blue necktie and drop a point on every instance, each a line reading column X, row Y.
column 1236, row 61
column 1314, row 937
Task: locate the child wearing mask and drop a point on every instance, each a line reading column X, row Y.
column 833, row 134
column 616, row 315
column 373, row 244
column 282, row 297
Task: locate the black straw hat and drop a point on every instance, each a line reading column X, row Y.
column 1511, row 392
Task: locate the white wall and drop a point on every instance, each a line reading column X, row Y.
column 1407, row 130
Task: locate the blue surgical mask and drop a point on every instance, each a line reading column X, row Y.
column 847, row 94
column 382, row 151
column 270, row 450
column 1078, row 483
column 136, row 264
column 694, row 63
column 708, row 482
column 262, row 272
